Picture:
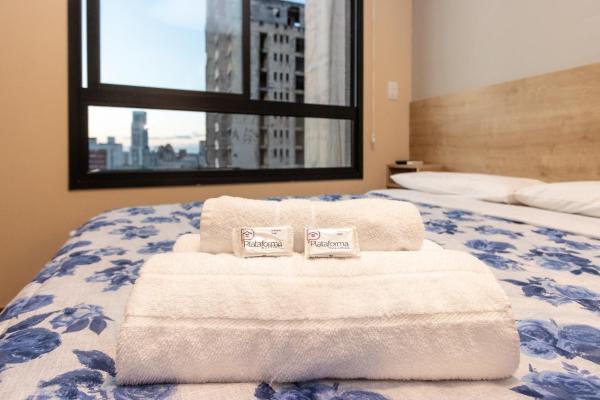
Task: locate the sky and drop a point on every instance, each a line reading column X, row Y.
column 154, row 43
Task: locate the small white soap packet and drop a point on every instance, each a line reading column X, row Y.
column 271, row 241
column 331, row 242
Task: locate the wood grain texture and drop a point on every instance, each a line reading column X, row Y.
column 545, row 127
column 392, row 169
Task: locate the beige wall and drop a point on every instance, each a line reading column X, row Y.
column 465, row 44
column 37, row 210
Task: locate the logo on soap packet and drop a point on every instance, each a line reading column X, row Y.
column 247, row 234
column 266, row 238
column 313, row 235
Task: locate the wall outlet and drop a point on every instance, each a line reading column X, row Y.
column 392, row 88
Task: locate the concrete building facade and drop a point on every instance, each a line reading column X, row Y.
column 276, row 74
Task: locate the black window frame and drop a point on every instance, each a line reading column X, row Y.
column 111, row 95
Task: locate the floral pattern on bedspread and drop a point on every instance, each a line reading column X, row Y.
column 58, row 337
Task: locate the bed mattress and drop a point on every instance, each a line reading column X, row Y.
column 58, row 337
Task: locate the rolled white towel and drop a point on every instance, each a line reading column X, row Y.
column 190, row 242
column 423, row 315
column 382, row 225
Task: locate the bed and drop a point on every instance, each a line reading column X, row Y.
column 58, row 336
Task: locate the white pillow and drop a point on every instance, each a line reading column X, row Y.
column 499, row 189
column 568, row 197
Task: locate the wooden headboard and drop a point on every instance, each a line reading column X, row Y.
column 545, row 127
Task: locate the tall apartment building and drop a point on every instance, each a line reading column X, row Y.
column 224, row 74
column 276, row 74
column 139, row 153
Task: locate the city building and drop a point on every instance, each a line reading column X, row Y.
column 167, row 157
column 97, row 160
column 139, row 153
column 108, row 155
column 111, row 156
column 224, row 74
column 277, row 74
column 328, row 141
column 202, row 154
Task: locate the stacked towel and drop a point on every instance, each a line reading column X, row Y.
column 382, row 225
column 197, row 317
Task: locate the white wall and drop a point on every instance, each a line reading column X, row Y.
column 465, row 44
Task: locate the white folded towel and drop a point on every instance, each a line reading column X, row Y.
column 425, row 315
column 191, row 242
column 381, row 224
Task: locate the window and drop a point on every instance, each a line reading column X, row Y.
column 299, row 45
column 294, row 17
column 173, row 92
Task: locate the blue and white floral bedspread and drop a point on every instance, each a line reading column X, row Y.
column 58, row 337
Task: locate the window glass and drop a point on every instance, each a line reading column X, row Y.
column 150, row 139
column 174, row 44
column 318, row 76
column 301, row 53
